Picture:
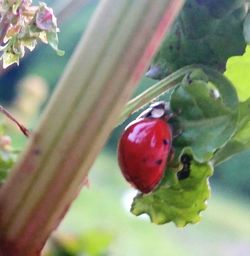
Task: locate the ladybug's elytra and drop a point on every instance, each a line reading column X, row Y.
column 144, row 148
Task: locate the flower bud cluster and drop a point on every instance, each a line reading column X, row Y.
column 22, row 25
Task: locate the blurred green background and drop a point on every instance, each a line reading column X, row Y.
column 99, row 222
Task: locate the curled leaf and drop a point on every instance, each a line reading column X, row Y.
column 207, row 115
column 179, row 201
column 52, row 39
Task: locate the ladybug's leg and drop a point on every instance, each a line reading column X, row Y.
column 188, row 78
column 171, row 115
column 177, row 132
column 171, row 155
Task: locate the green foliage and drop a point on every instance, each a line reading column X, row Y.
column 206, row 32
column 175, row 200
column 207, row 115
column 238, row 72
column 207, row 111
column 7, row 157
column 7, row 160
column 241, row 139
column 91, row 243
column 52, row 38
column 213, row 124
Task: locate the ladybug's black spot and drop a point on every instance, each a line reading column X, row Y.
column 158, row 162
column 165, row 142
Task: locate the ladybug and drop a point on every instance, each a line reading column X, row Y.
column 144, row 148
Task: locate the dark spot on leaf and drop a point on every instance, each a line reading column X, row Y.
column 185, row 171
column 186, row 159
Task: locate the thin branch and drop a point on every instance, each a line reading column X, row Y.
column 23, row 129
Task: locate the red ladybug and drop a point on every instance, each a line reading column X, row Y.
column 144, row 148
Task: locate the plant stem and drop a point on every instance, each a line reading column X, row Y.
column 101, row 76
column 171, row 81
column 154, row 92
column 23, row 129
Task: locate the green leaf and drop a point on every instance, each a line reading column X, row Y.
column 241, row 140
column 238, row 72
column 177, row 201
column 10, row 58
column 206, row 32
column 29, row 43
column 53, row 41
column 206, row 121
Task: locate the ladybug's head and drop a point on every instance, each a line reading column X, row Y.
column 159, row 109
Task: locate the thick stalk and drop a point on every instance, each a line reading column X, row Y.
column 99, row 79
